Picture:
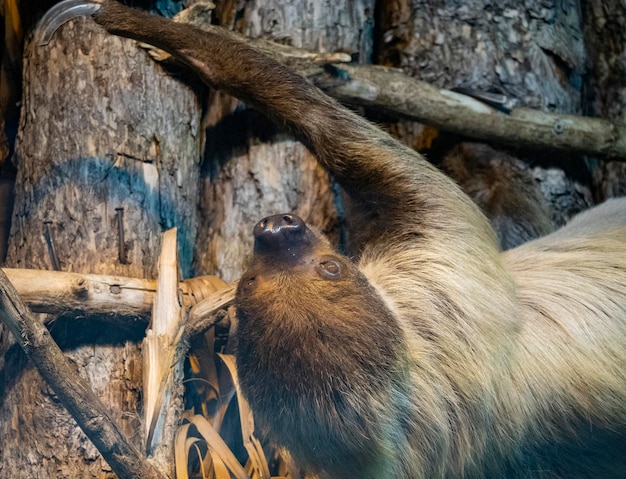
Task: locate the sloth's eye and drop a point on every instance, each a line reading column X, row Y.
column 330, row 269
column 248, row 284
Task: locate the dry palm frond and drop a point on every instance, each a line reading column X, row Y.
column 199, row 429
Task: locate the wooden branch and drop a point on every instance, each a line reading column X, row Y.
column 73, row 391
column 115, row 298
column 56, row 292
column 206, row 313
column 391, row 91
column 395, row 93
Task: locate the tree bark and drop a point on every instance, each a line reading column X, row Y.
column 532, row 52
column 605, row 34
column 251, row 169
column 107, row 157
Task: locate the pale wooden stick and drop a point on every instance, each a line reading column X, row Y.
column 56, row 292
column 163, row 353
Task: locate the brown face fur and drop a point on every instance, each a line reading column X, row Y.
column 316, row 333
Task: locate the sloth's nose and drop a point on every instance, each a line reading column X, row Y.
column 277, row 232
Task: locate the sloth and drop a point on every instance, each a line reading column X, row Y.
column 430, row 354
column 503, row 188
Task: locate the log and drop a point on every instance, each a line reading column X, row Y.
column 392, row 92
column 108, row 148
column 118, row 299
column 75, row 294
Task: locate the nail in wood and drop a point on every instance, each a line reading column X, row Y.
column 51, row 249
column 121, row 245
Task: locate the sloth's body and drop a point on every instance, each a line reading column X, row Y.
column 433, row 355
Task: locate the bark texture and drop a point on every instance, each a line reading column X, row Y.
column 70, row 388
column 605, row 34
column 533, row 52
column 252, row 170
column 7, row 181
column 103, row 128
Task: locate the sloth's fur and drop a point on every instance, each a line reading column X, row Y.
column 432, row 354
column 503, row 188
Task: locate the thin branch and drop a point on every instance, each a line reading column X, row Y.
column 397, row 94
column 207, row 312
column 117, row 299
column 72, row 390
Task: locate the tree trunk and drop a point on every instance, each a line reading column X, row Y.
column 606, row 93
column 532, row 52
column 108, row 158
column 253, row 170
